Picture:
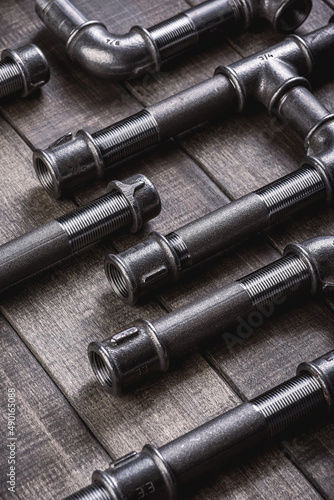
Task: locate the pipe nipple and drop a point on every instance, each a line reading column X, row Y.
column 32, row 64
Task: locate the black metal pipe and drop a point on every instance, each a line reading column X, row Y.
column 267, row 76
column 160, row 472
column 128, row 205
column 130, row 356
column 161, row 259
column 120, row 57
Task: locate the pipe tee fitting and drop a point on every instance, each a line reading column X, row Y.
column 120, row 57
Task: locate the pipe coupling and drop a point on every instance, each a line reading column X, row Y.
column 127, row 357
column 318, row 253
column 24, row 70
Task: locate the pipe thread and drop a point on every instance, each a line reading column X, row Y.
column 127, row 137
column 180, row 248
column 293, row 192
column 287, row 403
column 92, row 492
column 279, row 280
column 96, row 220
column 174, row 35
column 11, row 79
column 242, row 12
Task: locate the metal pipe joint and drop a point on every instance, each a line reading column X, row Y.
column 268, row 76
column 160, row 473
column 132, row 355
column 120, row 57
column 22, row 71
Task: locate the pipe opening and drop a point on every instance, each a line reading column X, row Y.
column 292, row 15
column 117, row 280
column 101, row 369
column 45, row 176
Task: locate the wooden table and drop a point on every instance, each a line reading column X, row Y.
column 66, row 425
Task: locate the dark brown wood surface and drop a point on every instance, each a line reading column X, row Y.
column 67, row 426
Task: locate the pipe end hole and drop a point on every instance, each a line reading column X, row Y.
column 292, row 15
column 101, row 370
column 45, row 176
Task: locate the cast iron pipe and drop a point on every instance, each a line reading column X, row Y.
column 159, row 473
column 22, row 71
column 120, row 57
column 161, row 259
column 267, row 77
column 130, row 356
column 128, row 204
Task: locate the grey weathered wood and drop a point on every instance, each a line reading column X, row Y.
column 57, row 313
column 55, row 452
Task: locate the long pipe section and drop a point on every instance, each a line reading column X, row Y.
column 161, row 259
column 120, row 57
column 267, row 77
column 160, row 473
column 130, row 356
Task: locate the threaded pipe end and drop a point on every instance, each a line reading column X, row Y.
column 283, row 278
column 292, row 193
column 180, row 248
column 289, row 402
column 92, row 492
column 101, row 369
column 174, row 35
column 45, row 176
column 11, row 79
column 96, row 220
column 127, row 137
column 243, row 13
column 117, row 280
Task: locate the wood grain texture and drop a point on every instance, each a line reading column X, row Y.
column 59, row 312
column 48, row 463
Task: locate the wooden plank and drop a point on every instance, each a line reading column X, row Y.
column 47, row 463
column 59, row 313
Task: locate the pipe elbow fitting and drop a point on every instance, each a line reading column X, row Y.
column 318, row 253
column 113, row 57
column 88, row 43
column 284, row 15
